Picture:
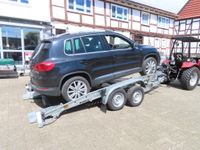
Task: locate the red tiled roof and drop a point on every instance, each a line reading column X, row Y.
column 190, row 10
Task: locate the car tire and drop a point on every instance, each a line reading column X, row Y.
column 116, row 100
column 149, row 65
column 135, row 96
column 74, row 88
column 190, row 78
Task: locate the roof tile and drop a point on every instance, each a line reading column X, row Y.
column 190, row 10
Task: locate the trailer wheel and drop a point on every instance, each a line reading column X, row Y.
column 116, row 100
column 190, row 78
column 135, row 96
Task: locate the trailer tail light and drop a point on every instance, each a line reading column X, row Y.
column 44, row 66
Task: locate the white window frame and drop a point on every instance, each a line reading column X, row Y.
column 142, row 22
column 85, row 7
column 161, row 25
column 124, row 8
column 17, row 2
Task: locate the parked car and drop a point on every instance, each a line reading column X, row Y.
column 8, row 68
column 71, row 64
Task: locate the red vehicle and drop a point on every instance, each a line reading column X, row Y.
column 182, row 64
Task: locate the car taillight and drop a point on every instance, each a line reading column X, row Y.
column 44, row 66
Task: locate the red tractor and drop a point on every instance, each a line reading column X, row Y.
column 182, row 64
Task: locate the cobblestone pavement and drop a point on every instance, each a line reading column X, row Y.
column 168, row 119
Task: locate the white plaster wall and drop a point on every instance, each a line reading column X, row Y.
column 58, row 3
column 127, row 34
column 36, row 10
column 58, row 25
column 145, row 29
column 87, row 19
column 160, row 31
column 152, row 41
column 99, row 20
column 75, row 28
column 99, row 7
column 146, row 40
column 124, row 25
column 153, row 28
column 73, row 17
column 114, row 23
column 182, row 26
column 136, row 26
column 170, row 31
column 166, row 31
column 195, row 25
column 171, row 24
column 108, row 21
column 157, row 42
column 58, row 12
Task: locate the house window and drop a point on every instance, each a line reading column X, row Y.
column 145, row 18
column 83, row 6
column 11, row 38
column 21, row 1
column 163, row 22
column 119, row 12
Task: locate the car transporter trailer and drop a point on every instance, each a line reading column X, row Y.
column 114, row 96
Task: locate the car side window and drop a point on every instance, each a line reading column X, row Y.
column 68, row 47
column 78, row 46
column 116, row 42
column 93, row 43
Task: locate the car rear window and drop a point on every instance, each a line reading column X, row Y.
column 68, row 47
column 78, row 46
column 42, row 48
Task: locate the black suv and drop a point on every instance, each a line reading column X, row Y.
column 71, row 64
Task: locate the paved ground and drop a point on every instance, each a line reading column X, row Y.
column 168, row 119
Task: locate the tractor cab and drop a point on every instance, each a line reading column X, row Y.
column 184, row 61
column 185, row 52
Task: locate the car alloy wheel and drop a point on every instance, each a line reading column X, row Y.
column 76, row 89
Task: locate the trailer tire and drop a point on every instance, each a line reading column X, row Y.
column 116, row 100
column 190, row 78
column 135, row 96
column 74, row 81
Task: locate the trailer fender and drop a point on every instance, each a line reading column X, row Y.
column 112, row 88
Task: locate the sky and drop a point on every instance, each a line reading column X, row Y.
column 169, row 5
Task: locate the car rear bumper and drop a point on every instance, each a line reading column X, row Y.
column 53, row 91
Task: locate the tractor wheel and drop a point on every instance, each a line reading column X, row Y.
column 190, row 78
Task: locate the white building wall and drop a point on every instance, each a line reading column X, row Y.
column 36, row 10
